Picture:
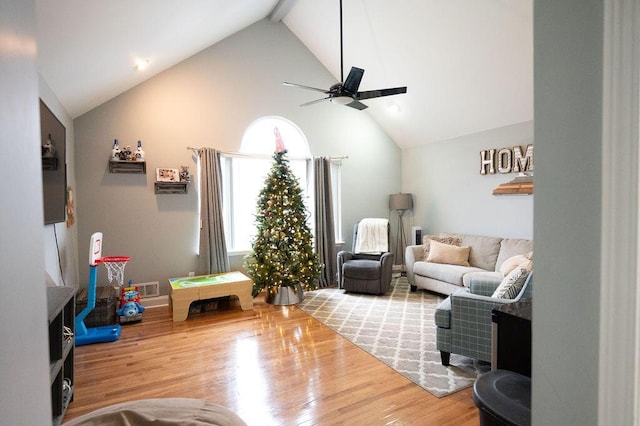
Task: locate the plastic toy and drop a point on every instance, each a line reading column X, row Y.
column 130, row 307
column 130, row 311
column 129, row 294
column 115, row 268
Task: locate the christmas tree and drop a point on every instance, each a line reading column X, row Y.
column 283, row 253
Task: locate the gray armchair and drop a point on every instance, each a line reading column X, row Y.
column 365, row 273
column 464, row 323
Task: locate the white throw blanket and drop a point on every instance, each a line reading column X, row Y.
column 373, row 237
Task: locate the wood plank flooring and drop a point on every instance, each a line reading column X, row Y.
column 271, row 366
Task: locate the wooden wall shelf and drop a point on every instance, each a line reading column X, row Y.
column 522, row 185
column 171, row 187
column 120, row 166
column 49, row 163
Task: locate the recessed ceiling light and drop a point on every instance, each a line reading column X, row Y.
column 394, row 108
column 142, row 64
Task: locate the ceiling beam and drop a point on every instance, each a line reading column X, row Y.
column 280, row 10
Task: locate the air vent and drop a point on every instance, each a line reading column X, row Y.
column 150, row 289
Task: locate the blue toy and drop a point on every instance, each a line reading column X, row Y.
column 130, row 311
column 115, row 265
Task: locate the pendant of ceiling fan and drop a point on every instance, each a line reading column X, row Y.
column 346, row 92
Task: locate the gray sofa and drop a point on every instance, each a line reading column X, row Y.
column 486, row 255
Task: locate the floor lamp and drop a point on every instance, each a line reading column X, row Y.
column 400, row 203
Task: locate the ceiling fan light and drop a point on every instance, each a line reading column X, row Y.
column 342, row 100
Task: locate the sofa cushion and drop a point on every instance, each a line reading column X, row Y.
column 362, row 269
column 446, row 253
column 453, row 240
column 510, row 247
column 451, row 274
column 512, row 284
column 511, row 263
column 484, row 250
column 482, row 283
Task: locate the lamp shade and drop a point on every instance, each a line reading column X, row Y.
column 400, row 201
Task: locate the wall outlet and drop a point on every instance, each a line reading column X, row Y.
column 191, row 274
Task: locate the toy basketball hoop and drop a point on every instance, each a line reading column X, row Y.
column 115, row 267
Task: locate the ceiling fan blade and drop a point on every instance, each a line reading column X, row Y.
column 305, row 87
column 381, row 92
column 357, row 105
column 317, row 101
column 353, row 80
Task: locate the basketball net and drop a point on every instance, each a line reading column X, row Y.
column 115, row 267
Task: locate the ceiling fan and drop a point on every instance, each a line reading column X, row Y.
column 346, row 92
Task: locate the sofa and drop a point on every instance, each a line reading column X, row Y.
column 463, row 320
column 486, row 256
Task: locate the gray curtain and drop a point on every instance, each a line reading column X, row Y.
column 324, row 226
column 213, row 247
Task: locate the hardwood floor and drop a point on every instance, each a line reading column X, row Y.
column 271, row 366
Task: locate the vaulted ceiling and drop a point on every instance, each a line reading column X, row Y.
column 468, row 64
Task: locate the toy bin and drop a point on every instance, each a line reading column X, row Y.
column 106, row 305
column 503, row 398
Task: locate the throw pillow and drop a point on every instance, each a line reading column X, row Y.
column 426, row 242
column 449, row 254
column 511, row 263
column 513, row 283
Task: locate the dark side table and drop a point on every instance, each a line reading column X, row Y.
column 511, row 332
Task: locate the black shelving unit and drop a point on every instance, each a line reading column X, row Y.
column 61, row 307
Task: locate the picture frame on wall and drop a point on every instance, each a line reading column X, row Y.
column 167, row 175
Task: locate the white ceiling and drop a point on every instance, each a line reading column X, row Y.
column 468, row 64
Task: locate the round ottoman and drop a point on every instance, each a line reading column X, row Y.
column 160, row 411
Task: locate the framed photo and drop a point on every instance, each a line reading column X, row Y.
column 167, row 175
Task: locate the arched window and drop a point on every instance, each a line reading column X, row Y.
column 244, row 174
column 259, row 139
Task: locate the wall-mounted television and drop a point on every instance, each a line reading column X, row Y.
column 54, row 167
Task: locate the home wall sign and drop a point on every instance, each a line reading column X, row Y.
column 506, row 160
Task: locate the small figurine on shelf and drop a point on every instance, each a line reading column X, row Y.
column 115, row 152
column 139, row 152
column 125, row 154
column 48, row 150
column 184, row 174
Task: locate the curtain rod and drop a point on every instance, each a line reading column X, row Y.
column 241, row 155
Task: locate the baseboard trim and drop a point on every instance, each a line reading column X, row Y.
column 155, row 302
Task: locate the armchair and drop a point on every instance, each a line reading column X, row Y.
column 366, row 272
column 463, row 319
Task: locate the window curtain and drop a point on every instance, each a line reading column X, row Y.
column 324, row 226
column 213, row 247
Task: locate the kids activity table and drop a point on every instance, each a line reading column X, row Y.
column 189, row 289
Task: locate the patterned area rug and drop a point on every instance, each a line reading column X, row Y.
column 398, row 329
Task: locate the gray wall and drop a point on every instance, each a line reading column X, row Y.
column 568, row 102
column 450, row 194
column 209, row 100
column 24, row 361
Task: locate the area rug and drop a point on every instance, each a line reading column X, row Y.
column 398, row 329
